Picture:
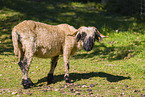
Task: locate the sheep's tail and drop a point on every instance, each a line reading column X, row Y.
column 15, row 40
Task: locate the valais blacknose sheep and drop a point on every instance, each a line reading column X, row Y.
column 41, row 40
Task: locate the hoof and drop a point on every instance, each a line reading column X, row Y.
column 67, row 79
column 50, row 78
column 27, row 83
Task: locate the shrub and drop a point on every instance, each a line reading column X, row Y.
column 125, row 7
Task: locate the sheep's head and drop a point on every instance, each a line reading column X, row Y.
column 87, row 37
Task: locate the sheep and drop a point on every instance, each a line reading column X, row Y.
column 36, row 39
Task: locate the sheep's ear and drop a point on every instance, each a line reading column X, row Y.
column 98, row 37
column 78, row 36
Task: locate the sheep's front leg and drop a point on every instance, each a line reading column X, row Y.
column 50, row 78
column 66, row 76
column 66, row 65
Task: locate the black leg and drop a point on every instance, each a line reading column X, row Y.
column 27, row 83
column 67, row 79
column 66, row 76
column 50, row 78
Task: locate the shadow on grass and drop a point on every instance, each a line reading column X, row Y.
column 112, row 52
column 78, row 76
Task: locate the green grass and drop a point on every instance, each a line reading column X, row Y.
column 115, row 67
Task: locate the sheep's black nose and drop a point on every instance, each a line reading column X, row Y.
column 88, row 44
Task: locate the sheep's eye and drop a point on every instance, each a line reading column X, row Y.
column 83, row 35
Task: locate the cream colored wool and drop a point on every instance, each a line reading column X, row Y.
column 37, row 39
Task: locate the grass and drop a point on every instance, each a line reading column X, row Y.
column 115, row 66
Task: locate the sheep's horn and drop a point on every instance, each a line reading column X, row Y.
column 99, row 33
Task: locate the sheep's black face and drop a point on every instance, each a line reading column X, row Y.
column 87, row 36
column 88, row 43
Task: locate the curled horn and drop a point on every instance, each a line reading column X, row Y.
column 99, row 32
column 77, row 34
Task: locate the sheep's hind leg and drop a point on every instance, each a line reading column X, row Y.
column 24, row 62
column 24, row 65
column 50, row 78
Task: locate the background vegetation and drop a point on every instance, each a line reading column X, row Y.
column 115, row 67
column 124, row 7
